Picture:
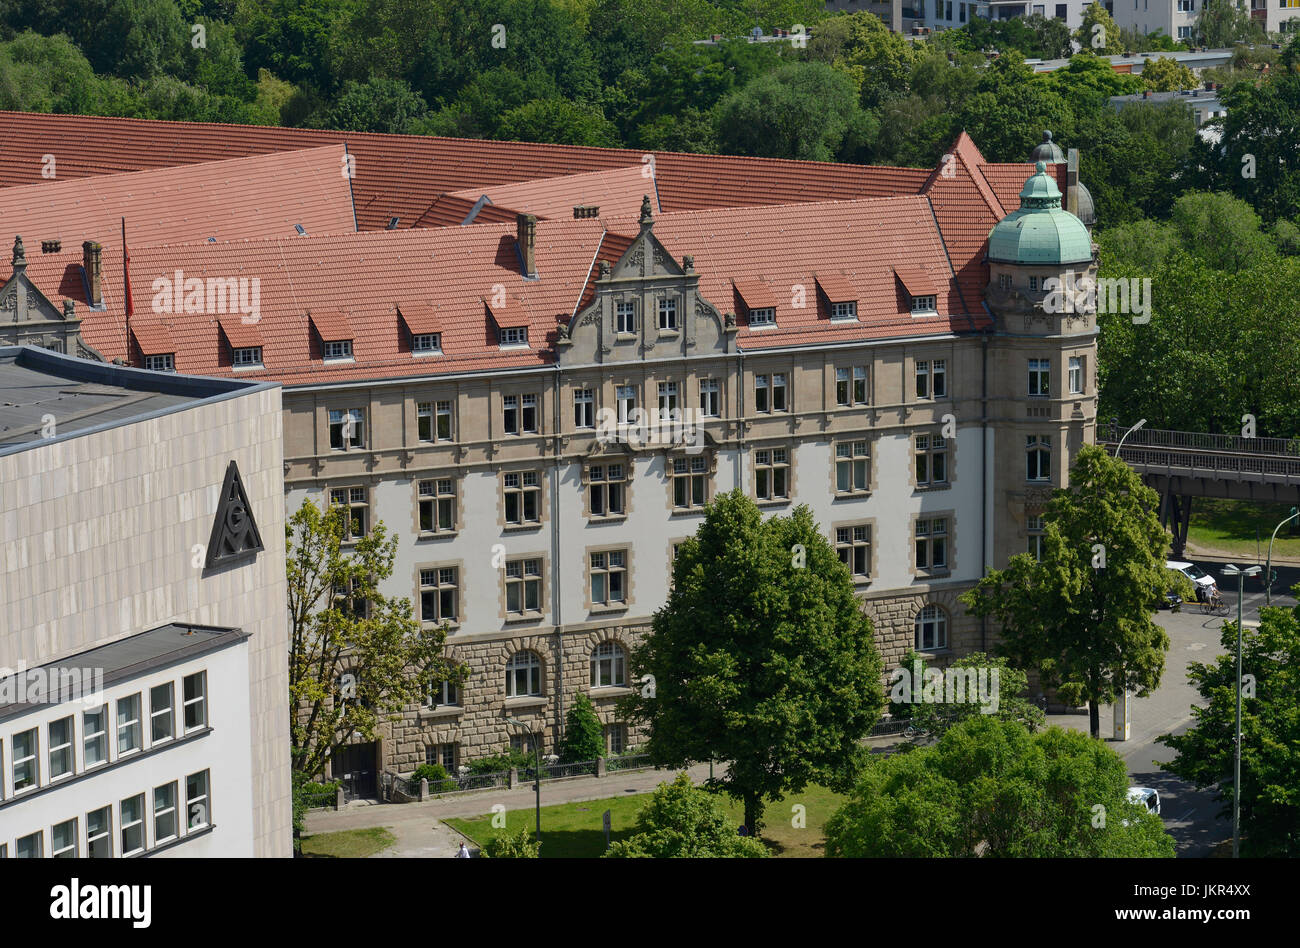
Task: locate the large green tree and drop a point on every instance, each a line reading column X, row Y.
column 685, row 822
column 762, row 657
column 1270, row 727
column 1082, row 614
column 936, row 718
column 990, row 788
column 356, row 656
column 583, row 736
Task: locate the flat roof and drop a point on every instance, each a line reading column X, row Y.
column 38, row 386
column 118, row 661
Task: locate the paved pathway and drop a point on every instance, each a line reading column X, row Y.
column 419, row 828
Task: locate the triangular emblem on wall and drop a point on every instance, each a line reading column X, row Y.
column 234, row 532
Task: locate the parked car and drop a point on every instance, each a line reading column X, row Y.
column 1147, row 796
column 1192, row 572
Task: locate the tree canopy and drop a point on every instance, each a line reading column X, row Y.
column 682, row 821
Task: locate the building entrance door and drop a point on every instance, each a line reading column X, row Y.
column 354, row 767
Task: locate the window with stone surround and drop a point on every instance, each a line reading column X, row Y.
column 347, row 429
column 931, row 543
column 851, row 386
column 522, row 491
column 584, row 408
column 710, row 398
column 1034, row 532
column 1038, row 457
column 690, row 477
column 931, row 379
column 523, row 675
column 769, row 392
column 772, row 474
column 606, row 484
column 355, row 503
column 608, row 666
column 615, row 738
column 625, row 318
column 852, row 467
column 433, row 420
column 523, row 581
column 442, row 694
column 439, row 594
column 436, row 499
column 853, row 545
column 931, row 461
column 608, row 578
column 931, row 629
column 1040, row 378
column 446, row 756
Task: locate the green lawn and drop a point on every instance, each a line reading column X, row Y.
column 575, row 830
column 1228, row 527
column 348, row 844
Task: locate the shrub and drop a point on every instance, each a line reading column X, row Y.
column 506, row 760
column 520, row 845
column 583, row 737
column 436, row 774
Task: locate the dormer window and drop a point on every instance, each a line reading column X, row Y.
column 844, row 312
column 923, row 304
column 427, row 343
column 161, row 362
column 762, row 317
column 247, row 358
column 513, row 337
column 338, row 350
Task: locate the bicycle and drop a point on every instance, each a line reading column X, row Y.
column 911, row 731
column 1215, row 603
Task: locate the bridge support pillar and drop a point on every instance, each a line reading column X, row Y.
column 1176, row 514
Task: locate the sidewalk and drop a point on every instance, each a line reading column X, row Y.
column 419, row 828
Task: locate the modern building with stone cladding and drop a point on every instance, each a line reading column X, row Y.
column 873, row 343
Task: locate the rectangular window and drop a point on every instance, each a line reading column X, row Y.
column 615, row 738
column 437, row 505
column 1040, row 378
column 923, row 379
column 1038, row 457
column 931, row 378
column 30, row 847
column 1034, row 530
column 851, row 386
column 165, row 824
column 609, row 578
column 60, row 741
column 356, row 507
column 1060, row 11
column 510, row 414
column 514, row 337
column 130, row 816
column 931, row 461
column 710, row 398
column 198, row 809
column 853, row 544
column 668, row 315
column 348, row 599
column 523, row 497
column 668, row 409
column 772, row 474
column 338, row 349
column 438, row 594
column 762, row 317
column 99, row 833
column 584, row 408
column 923, row 304
column 426, row 343
column 690, row 486
column 94, row 728
column 852, row 467
column 129, row 736
column 347, row 429
column 844, row 311
column 443, row 694
column 161, row 363
column 26, row 766
column 625, row 318
column 778, row 392
column 250, row 356
column 523, row 587
column 932, row 543
column 769, row 393
column 1076, row 375
column 605, row 486
column 433, row 420
column 530, row 414
column 161, row 702
column 1004, row 281
column 625, row 395
column 1033, row 283
column 194, row 689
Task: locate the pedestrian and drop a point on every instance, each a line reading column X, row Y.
column 463, row 853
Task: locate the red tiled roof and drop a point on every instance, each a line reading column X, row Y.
column 331, row 325
column 837, row 287
column 917, row 282
column 452, row 211
column 617, row 193
column 240, row 334
column 508, row 312
column 755, row 294
column 262, row 196
column 1006, row 181
column 420, row 318
column 153, row 336
column 402, row 175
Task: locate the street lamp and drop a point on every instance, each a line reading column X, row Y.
column 1268, row 569
column 1140, row 423
column 537, row 785
column 1241, row 574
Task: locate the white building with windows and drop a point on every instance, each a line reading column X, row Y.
column 142, row 673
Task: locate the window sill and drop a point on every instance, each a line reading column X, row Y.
column 927, row 488
column 687, row 511
column 442, row 711
column 669, row 333
column 526, row 701
column 925, row 312
column 599, row 610
column 844, row 320
column 452, row 625
column 611, row 691
column 520, row 527
column 344, row 361
column 933, row 573
column 759, row 327
column 774, row 502
column 526, row 617
column 625, row 336
column 607, row 518
column 437, row 535
column 247, row 368
column 852, row 495
column 425, row 355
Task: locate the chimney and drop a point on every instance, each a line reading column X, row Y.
column 51, row 246
column 526, row 237
column 91, row 264
column 581, row 211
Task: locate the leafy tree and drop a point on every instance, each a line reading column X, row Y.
column 685, row 822
column 584, row 739
column 520, row 845
column 990, row 788
column 859, row 45
column 46, row 74
column 761, row 657
column 140, row 39
column 356, row 656
column 1007, row 114
column 1087, row 83
column 690, row 130
column 936, row 719
column 377, row 105
column 1051, row 37
column 559, row 121
column 1166, row 74
column 802, row 110
column 1103, row 42
column 1221, row 23
column 1270, row 727
column 290, row 37
column 1082, row 615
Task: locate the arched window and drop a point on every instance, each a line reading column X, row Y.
column 608, row 666
column 523, row 675
column 931, row 629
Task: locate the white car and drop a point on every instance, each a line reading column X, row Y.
column 1192, row 572
column 1147, row 797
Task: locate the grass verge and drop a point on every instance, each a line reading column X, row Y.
column 348, row 844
